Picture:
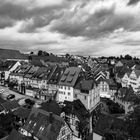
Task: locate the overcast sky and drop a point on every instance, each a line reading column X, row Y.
column 86, row 27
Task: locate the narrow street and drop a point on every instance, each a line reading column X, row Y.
column 7, row 91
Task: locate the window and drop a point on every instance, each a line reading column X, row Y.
column 68, row 137
column 68, row 88
column 64, row 93
column 67, row 119
column 65, row 87
column 69, row 93
column 75, row 95
column 63, row 132
column 77, row 125
column 85, row 97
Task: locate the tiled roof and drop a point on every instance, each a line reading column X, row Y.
column 31, row 71
column 21, row 70
column 85, row 84
column 56, row 75
column 119, row 64
column 43, row 125
column 10, row 105
column 76, row 107
column 22, row 112
column 43, row 73
column 70, row 76
column 5, row 66
column 51, row 106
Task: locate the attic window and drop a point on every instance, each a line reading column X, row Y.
column 73, row 73
column 63, row 78
column 30, row 122
column 66, row 72
column 70, row 79
column 41, row 128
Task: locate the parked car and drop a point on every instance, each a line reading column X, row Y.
column 10, row 97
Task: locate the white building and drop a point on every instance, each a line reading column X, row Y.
column 133, row 79
column 88, row 93
column 7, row 67
column 67, row 83
column 107, row 88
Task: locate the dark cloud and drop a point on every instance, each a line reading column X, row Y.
column 20, row 12
column 102, row 22
column 133, row 2
column 130, row 42
column 5, row 22
column 38, row 22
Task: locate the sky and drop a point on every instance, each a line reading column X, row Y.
column 84, row 27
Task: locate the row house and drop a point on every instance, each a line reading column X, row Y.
column 19, row 72
column 27, row 77
column 107, row 88
column 6, row 68
column 87, row 91
column 67, row 83
column 55, row 78
column 40, row 77
column 132, row 78
column 124, row 97
column 42, row 125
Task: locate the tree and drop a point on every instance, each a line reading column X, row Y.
column 40, row 53
column 128, row 57
column 30, row 58
column 45, row 53
column 133, row 121
column 67, row 55
column 31, row 53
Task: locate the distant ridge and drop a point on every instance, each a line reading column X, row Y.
column 11, row 54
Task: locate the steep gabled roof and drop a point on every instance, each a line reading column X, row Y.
column 56, row 75
column 70, row 76
column 43, row 73
column 21, row 70
column 77, row 108
column 6, row 66
column 51, row 106
column 22, row 112
column 43, row 125
column 85, row 84
column 31, row 71
column 9, row 105
column 119, row 64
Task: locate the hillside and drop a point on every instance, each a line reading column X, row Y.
column 11, row 54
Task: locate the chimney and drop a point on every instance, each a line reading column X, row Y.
column 51, row 117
